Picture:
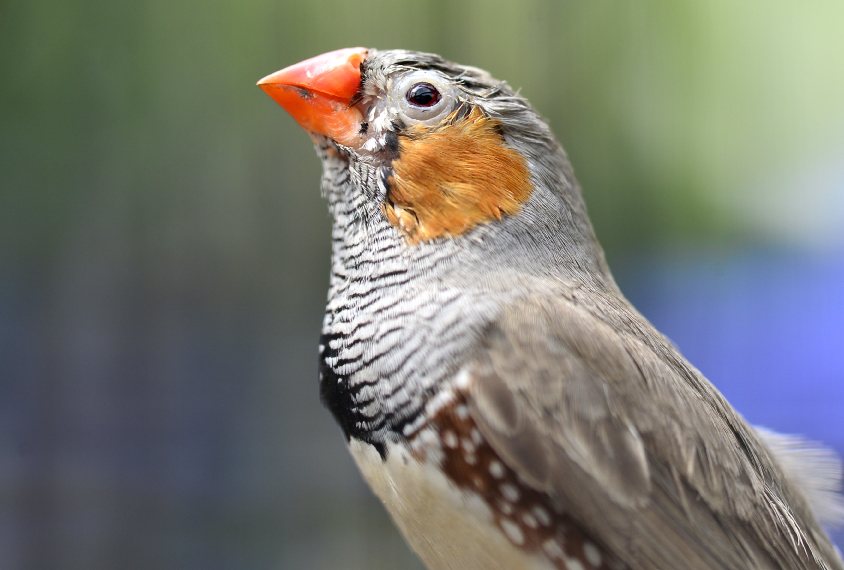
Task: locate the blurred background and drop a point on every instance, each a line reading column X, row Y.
column 164, row 249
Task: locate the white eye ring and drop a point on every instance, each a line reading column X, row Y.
column 427, row 115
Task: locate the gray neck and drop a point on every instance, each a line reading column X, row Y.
column 400, row 320
column 387, row 318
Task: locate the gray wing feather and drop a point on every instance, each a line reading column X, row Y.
column 590, row 404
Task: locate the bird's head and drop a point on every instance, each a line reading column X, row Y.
column 441, row 151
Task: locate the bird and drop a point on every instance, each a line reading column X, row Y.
column 499, row 394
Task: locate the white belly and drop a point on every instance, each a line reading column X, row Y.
column 449, row 529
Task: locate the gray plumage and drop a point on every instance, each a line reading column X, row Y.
column 572, row 387
column 606, row 417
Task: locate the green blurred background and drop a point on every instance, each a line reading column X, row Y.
column 164, row 248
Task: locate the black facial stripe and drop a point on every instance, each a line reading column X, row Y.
column 462, row 110
column 398, row 125
column 391, row 143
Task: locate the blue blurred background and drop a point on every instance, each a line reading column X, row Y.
column 164, row 249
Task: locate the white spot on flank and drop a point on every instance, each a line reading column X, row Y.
column 542, row 515
column 428, row 437
column 505, row 508
column 552, row 548
column 468, row 445
column 496, row 469
column 530, row 520
column 573, row 564
column 449, row 439
column 513, row 532
column 470, row 458
column 462, row 412
column 436, row 403
column 510, row 492
column 476, row 436
column 593, row 555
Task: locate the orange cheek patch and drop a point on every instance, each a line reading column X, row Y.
column 454, row 176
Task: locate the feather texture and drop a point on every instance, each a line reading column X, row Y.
column 641, row 452
column 453, row 176
column 814, row 469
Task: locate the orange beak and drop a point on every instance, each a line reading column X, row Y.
column 317, row 93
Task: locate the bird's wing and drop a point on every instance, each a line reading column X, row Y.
column 591, row 405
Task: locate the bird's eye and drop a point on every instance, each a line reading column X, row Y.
column 423, row 95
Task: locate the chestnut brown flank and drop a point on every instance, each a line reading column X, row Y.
column 456, row 175
column 471, row 464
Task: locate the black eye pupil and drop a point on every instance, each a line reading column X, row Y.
column 423, row 95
